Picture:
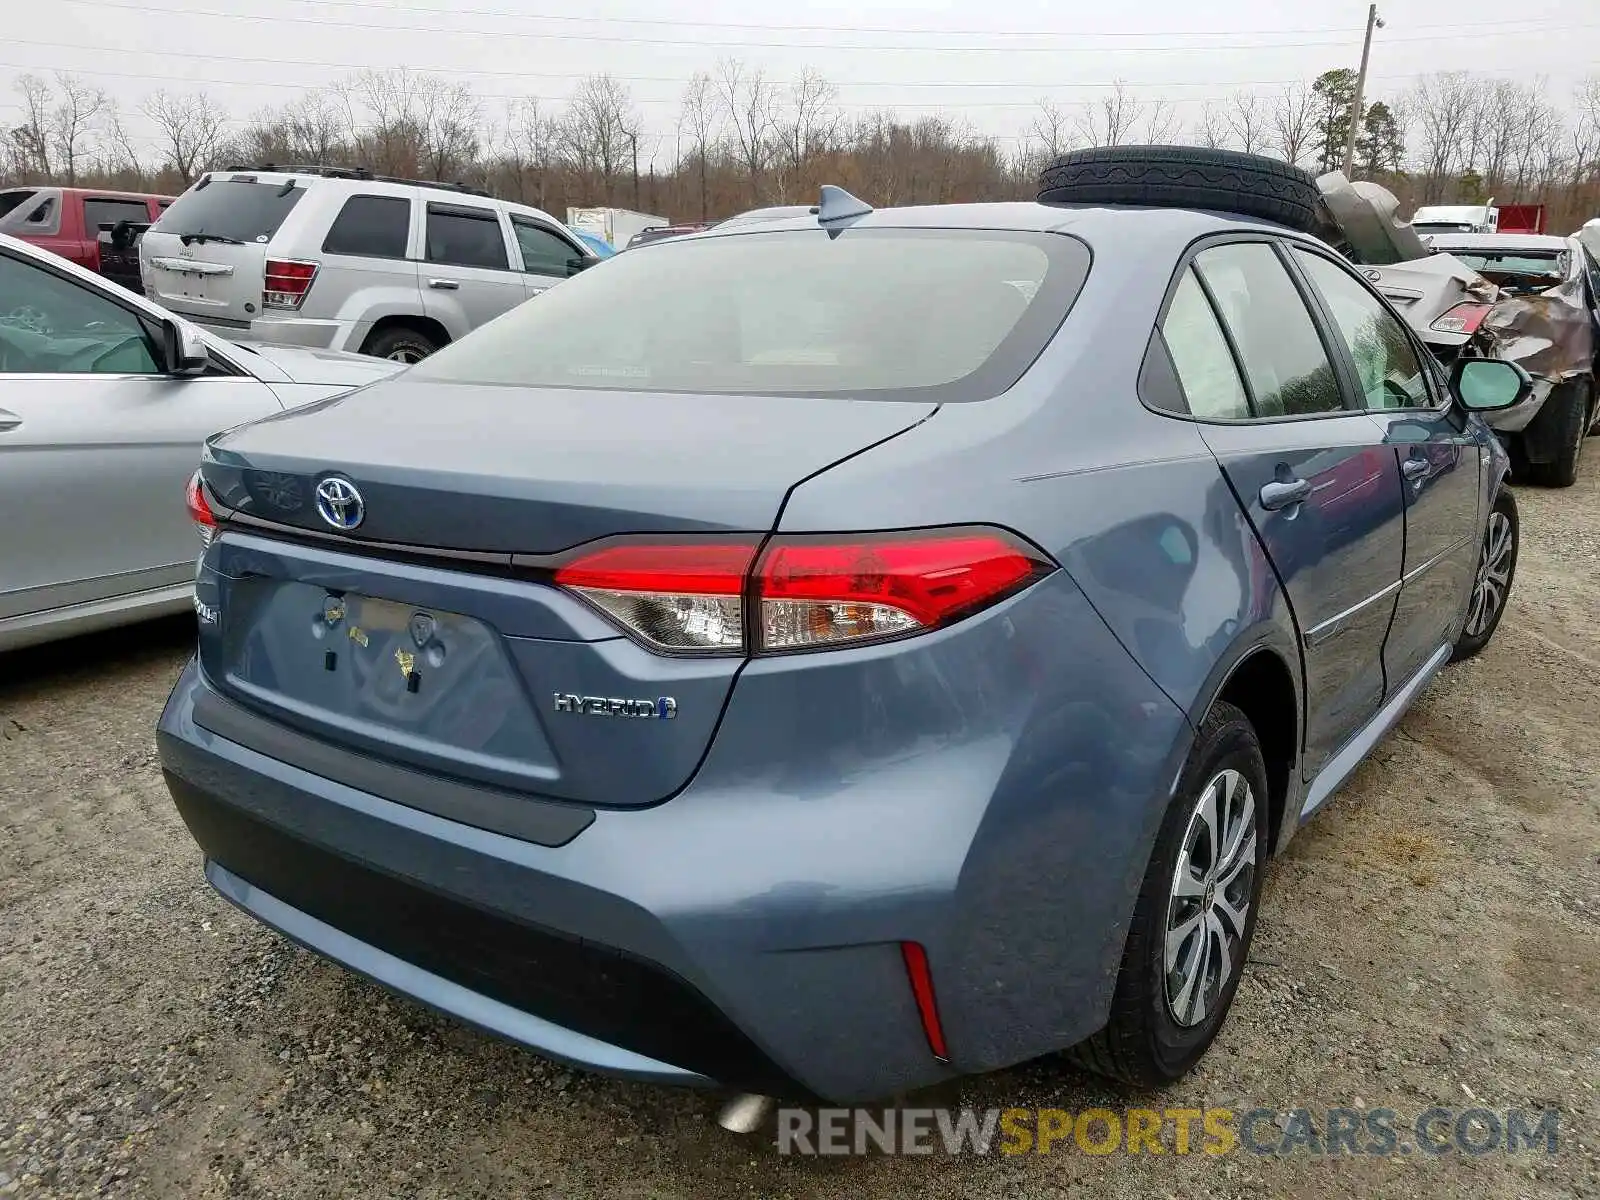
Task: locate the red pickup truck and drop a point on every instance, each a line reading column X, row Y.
column 78, row 224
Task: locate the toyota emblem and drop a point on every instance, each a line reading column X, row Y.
column 339, row 503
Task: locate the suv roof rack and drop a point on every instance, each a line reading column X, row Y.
column 358, row 173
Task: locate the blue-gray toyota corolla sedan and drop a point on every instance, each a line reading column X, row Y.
column 847, row 651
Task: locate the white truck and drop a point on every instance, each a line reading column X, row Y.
column 616, row 226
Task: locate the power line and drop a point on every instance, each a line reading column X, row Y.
column 677, row 22
column 702, row 43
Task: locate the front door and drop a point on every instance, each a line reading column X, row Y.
column 1321, row 489
column 1440, row 462
column 545, row 254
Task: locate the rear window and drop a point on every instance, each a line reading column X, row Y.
column 933, row 314
column 231, row 208
column 1513, row 262
column 99, row 211
column 372, row 227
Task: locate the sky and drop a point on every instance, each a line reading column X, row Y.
column 987, row 62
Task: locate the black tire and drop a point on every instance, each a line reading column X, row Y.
column 1185, row 177
column 1475, row 636
column 400, row 343
column 1144, row 1043
column 1565, row 415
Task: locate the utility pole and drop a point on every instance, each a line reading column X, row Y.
column 634, row 138
column 1357, row 102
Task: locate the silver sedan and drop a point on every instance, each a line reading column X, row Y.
column 104, row 401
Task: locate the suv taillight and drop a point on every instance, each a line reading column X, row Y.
column 287, row 283
column 1463, row 318
column 205, row 521
column 805, row 592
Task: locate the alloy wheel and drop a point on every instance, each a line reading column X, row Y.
column 1494, row 574
column 405, row 354
column 1208, row 906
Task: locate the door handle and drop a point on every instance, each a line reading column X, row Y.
column 1284, row 493
column 1415, row 468
column 8, row 421
column 444, row 285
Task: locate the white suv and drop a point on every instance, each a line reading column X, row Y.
column 340, row 259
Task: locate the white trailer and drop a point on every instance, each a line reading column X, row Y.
column 616, row 226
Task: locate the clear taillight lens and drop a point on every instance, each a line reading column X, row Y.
column 287, row 283
column 205, row 521
column 808, row 592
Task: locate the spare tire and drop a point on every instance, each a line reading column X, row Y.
column 1250, row 185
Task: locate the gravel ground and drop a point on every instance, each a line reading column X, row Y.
column 1433, row 937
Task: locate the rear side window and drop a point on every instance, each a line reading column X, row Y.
column 231, row 208
column 899, row 314
column 9, row 200
column 1201, row 356
column 371, row 227
column 1285, row 363
column 98, row 212
column 465, row 237
column 36, row 213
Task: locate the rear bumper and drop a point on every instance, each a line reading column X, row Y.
column 748, row 931
column 303, row 332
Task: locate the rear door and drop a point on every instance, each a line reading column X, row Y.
column 1440, row 461
column 366, row 257
column 96, row 444
column 467, row 278
column 1321, row 488
column 545, row 253
column 206, row 256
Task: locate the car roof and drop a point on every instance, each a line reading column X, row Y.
column 1498, row 241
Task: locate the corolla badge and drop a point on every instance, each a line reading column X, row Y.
column 339, row 503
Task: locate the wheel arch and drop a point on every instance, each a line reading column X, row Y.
column 415, row 322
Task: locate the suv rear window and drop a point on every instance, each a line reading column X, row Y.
column 231, row 208
column 98, row 211
column 372, row 227
column 894, row 314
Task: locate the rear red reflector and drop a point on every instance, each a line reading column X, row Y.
column 287, row 283
column 916, row 959
column 810, row 591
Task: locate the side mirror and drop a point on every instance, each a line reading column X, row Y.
column 185, row 351
column 574, row 265
column 1489, row 384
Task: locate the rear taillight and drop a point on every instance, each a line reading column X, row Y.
column 806, row 592
column 205, row 521
column 1463, row 318
column 287, row 283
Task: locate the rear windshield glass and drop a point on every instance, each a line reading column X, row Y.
column 932, row 314
column 231, row 208
column 1524, row 263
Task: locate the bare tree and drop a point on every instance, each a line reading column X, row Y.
column 1212, row 129
column 192, row 131
column 31, row 141
column 450, row 121
column 1249, row 120
column 1444, row 107
column 119, row 155
column 534, row 139
column 74, row 123
column 749, row 102
column 808, row 126
column 599, row 132
column 1049, row 136
column 1161, row 122
column 1293, row 122
column 1110, row 120
column 702, row 120
column 314, row 127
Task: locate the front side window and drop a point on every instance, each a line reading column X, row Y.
column 1391, row 374
column 465, row 237
column 371, row 227
column 927, row 314
column 51, row 326
column 1284, row 360
column 1201, row 356
column 543, row 252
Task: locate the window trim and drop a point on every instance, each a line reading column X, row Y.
column 533, row 223
column 405, row 246
column 1424, row 355
column 473, row 212
column 1278, row 245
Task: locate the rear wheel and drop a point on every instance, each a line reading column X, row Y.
column 400, row 344
column 1185, row 177
column 1567, row 413
column 1491, row 587
column 1195, row 915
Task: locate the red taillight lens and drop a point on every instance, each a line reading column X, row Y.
column 1463, row 318
column 287, row 283
column 810, row 592
column 686, row 597
column 822, row 591
column 205, row 521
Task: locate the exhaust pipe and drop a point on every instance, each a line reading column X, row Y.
column 746, row 1113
